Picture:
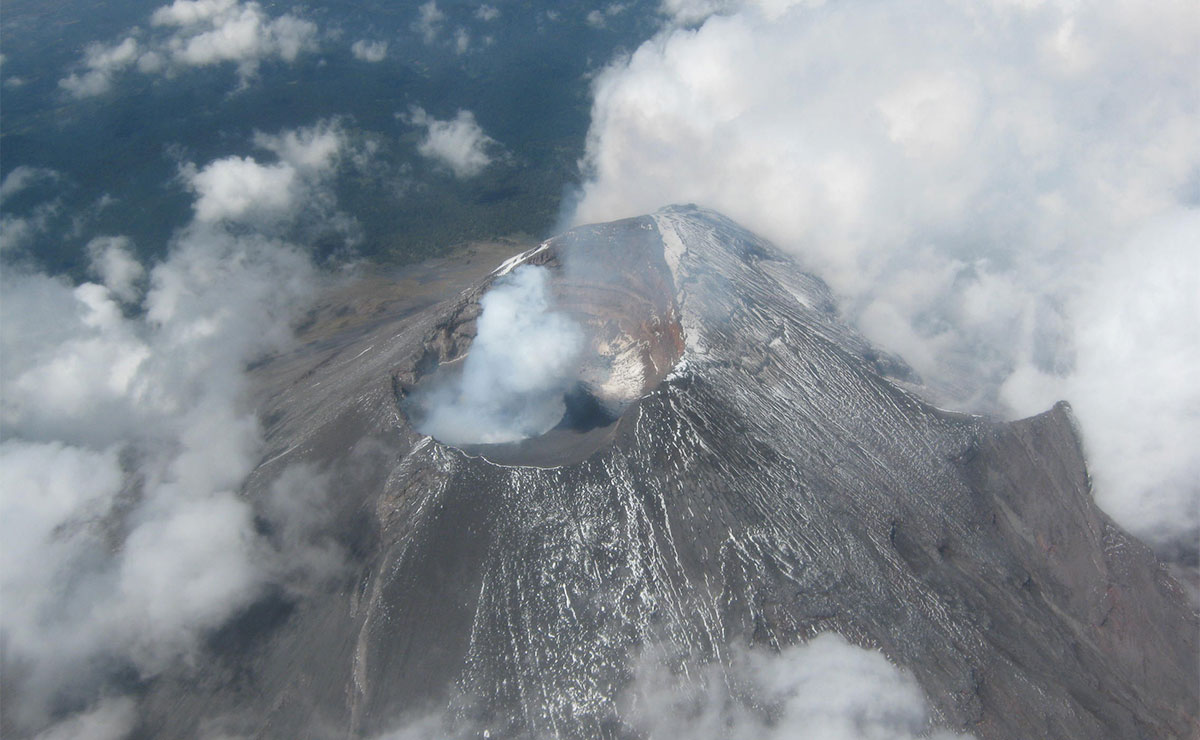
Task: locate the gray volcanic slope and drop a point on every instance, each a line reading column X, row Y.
column 768, row 479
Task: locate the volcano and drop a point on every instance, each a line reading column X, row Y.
column 734, row 467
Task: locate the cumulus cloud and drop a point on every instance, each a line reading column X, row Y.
column 459, row 143
column 957, row 171
column 487, row 13
column 19, row 229
column 195, row 33
column 18, row 232
column 429, row 21
column 100, row 64
column 691, row 12
column 127, row 434
column 243, row 189
column 522, row 360
column 825, row 688
column 235, row 187
column 23, row 177
column 369, row 51
column 209, row 32
column 113, row 262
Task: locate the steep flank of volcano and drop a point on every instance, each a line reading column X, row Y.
column 734, row 467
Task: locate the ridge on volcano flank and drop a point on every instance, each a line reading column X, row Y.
column 537, row 365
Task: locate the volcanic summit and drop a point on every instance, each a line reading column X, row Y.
column 719, row 465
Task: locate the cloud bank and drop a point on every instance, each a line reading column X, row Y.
column 523, row 359
column 458, row 144
column 194, row 33
column 127, row 434
column 965, row 175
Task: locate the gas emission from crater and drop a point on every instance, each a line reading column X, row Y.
column 511, row 384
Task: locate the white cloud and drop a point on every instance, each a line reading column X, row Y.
column 462, row 41
column 100, row 64
column 1135, row 356
column 297, row 503
column 825, row 688
column 110, row 719
column 429, row 21
column 692, row 12
column 242, row 189
column 599, row 18
column 214, row 31
column 192, row 12
column 954, row 170
column 22, row 178
column 685, row 12
column 128, row 434
column 236, row 187
column 313, row 149
column 19, row 231
column 113, row 262
column 487, row 13
column 458, row 143
column 369, row 51
column 196, row 33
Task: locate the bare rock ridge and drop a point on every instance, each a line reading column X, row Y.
column 753, row 474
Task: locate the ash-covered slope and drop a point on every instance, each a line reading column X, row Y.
column 764, row 481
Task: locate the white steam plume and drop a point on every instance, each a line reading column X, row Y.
column 966, row 175
column 521, row 362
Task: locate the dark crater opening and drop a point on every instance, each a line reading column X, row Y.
column 584, row 412
column 613, row 282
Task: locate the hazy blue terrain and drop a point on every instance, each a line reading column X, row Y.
column 118, row 154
